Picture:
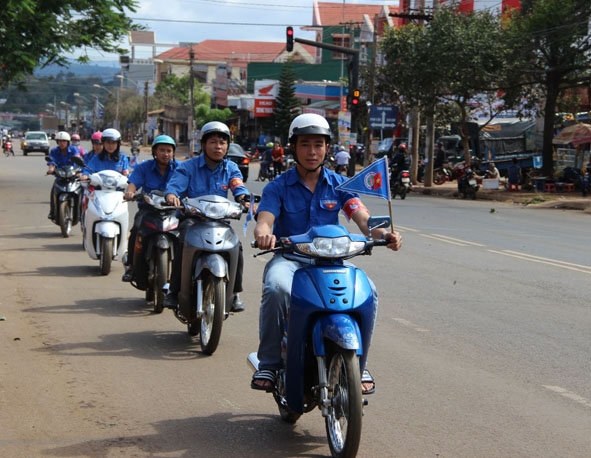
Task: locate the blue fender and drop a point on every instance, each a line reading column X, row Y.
column 341, row 329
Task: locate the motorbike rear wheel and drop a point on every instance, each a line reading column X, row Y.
column 343, row 423
column 65, row 218
column 106, row 255
column 161, row 266
column 438, row 178
column 214, row 300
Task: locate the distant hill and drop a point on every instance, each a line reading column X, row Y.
column 107, row 70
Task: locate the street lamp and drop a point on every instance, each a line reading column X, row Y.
column 116, row 122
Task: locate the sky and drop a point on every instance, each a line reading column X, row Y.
column 175, row 21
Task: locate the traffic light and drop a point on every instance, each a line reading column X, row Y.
column 355, row 94
column 289, row 39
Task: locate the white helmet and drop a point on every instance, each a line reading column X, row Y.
column 111, row 134
column 62, row 136
column 215, row 127
column 309, row 124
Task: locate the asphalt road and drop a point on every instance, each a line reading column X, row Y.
column 481, row 347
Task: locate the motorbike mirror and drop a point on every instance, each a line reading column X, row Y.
column 77, row 160
column 47, row 159
column 375, row 222
column 256, row 197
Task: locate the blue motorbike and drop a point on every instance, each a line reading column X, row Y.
column 328, row 333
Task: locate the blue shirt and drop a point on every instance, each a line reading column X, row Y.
column 58, row 159
column 97, row 165
column 147, row 176
column 297, row 209
column 193, row 178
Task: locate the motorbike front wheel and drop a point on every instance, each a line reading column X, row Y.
column 106, row 255
column 214, row 300
column 343, row 423
column 161, row 266
column 65, row 218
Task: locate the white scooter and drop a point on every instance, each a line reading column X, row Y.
column 106, row 218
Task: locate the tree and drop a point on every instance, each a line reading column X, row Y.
column 451, row 60
column 36, row 33
column 553, row 54
column 286, row 103
column 174, row 91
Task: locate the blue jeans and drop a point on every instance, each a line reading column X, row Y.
column 277, row 280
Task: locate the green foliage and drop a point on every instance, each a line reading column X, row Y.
column 552, row 54
column 41, row 32
column 206, row 114
column 286, row 103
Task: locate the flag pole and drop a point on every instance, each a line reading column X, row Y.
column 389, row 194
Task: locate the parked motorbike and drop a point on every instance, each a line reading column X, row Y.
column 154, row 248
column 68, row 192
column 400, row 184
column 467, row 184
column 208, row 271
column 7, row 148
column 135, row 147
column 105, row 220
column 266, row 173
column 324, row 348
column 441, row 175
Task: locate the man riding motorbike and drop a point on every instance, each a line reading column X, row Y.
column 302, row 197
column 401, row 161
column 209, row 173
column 149, row 176
column 59, row 155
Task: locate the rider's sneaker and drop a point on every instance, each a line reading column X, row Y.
column 171, row 301
column 50, row 216
column 237, row 304
column 128, row 275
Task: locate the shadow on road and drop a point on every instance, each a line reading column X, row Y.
column 223, row 434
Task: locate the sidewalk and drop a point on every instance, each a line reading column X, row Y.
column 565, row 201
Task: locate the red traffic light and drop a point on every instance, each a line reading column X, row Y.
column 289, row 39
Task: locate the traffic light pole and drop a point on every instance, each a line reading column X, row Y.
column 353, row 79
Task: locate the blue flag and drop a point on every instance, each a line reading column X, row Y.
column 374, row 180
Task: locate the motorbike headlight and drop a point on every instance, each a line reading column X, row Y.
column 339, row 247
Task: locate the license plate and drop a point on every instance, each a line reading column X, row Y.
column 406, row 180
column 472, row 182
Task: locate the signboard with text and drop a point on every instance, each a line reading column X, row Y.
column 383, row 117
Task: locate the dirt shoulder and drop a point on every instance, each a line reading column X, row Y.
column 558, row 200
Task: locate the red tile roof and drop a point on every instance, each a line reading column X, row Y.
column 333, row 14
column 227, row 51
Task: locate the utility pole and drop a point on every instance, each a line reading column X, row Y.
column 146, row 85
column 371, row 95
column 192, row 100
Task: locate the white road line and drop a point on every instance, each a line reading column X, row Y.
column 410, row 325
column 404, row 228
column 550, row 262
column 443, row 240
column 569, row 395
column 458, row 240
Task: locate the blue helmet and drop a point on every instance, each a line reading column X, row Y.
column 163, row 140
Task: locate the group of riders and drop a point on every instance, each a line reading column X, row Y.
column 300, row 198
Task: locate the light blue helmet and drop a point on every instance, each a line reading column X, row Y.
column 163, row 140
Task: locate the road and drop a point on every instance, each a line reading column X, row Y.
column 481, row 347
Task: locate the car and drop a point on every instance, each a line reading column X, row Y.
column 237, row 155
column 35, row 141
